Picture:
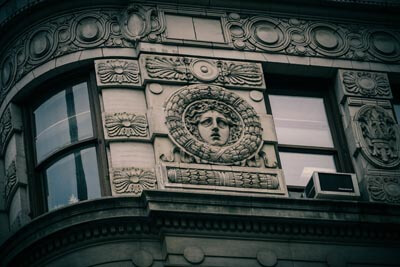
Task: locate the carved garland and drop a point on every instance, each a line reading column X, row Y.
column 366, row 84
column 133, row 180
column 245, row 137
column 379, row 136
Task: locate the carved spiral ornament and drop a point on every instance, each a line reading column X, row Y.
column 245, row 137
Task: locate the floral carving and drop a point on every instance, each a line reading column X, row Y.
column 133, row 180
column 223, row 178
column 114, row 71
column 204, row 70
column 126, row 124
column 5, row 129
column 11, row 179
column 379, row 136
column 366, row 84
column 384, row 188
column 236, row 136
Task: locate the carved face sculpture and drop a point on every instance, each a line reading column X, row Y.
column 214, row 128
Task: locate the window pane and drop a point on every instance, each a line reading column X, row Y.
column 63, row 119
column 301, row 121
column 73, row 178
column 397, row 111
column 296, row 164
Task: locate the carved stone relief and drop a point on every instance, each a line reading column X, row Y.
column 117, row 72
column 313, row 38
column 11, row 179
column 223, row 178
column 132, row 181
column 5, row 129
column 368, row 84
column 384, row 187
column 379, row 136
column 138, row 22
column 126, row 125
column 187, row 69
column 213, row 125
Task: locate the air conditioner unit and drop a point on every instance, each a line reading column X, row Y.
column 327, row 185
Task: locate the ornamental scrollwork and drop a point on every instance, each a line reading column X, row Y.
column 5, row 129
column 185, row 69
column 385, row 188
column 11, row 179
column 223, row 178
column 367, row 84
column 126, row 125
column 138, row 22
column 132, row 180
column 379, row 136
column 213, row 125
column 115, row 71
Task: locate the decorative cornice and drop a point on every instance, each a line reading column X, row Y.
column 132, row 181
column 126, row 125
column 366, row 84
column 195, row 70
column 117, row 72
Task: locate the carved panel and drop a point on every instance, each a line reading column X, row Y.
column 187, row 69
column 126, row 125
column 367, row 84
column 132, row 181
column 117, row 72
column 384, row 187
column 138, row 22
column 379, row 136
column 213, row 125
column 313, row 38
column 11, row 179
column 5, row 129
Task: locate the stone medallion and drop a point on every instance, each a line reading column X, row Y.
column 213, row 125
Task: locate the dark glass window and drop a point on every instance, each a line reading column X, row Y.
column 306, row 129
column 66, row 160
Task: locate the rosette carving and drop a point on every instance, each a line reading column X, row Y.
column 115, row 71
column 213, row 125
column 126, row 125
column 366, row 84
column 132, row 180
column 379, row 136
column 385, row 187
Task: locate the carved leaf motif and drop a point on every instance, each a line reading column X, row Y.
column 366, row 83
column 118, row 71
column 11, row 179
column 385, row 189
column 125, row 124
column 168, row 68
column 133, row 180
column 247, row 74
column 5, row 128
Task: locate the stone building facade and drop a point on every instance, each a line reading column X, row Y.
column 181, row 133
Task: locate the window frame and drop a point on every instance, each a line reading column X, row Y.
column 36, row 176
column 318, row 88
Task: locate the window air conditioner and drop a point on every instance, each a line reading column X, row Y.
column 325, row 185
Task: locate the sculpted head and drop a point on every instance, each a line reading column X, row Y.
column 213, row 122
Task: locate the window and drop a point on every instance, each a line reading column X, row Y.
column 396, row 101
column 309, row 135
column 65, row 148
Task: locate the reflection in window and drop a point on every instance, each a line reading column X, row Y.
column 73, row 178
column 397, row 111
column 301, row 121
column 62, row 120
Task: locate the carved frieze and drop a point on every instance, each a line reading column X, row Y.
column 384, row 187
column 367, row 84
column 193, row 70
column 223, row 178
column 126, row 125
column 213, row 125
column 132, row 181
column 313, row 38
column 11, row 179
column 5, row 129
column 379, row 136
column 138, row 22
column 117, row 72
